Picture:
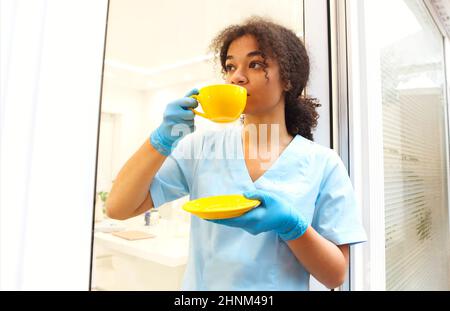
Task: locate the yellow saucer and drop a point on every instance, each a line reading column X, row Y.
column 221, row 206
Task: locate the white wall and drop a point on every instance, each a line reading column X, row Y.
column 127, row 105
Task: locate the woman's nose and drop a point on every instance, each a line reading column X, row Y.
column 238, row 78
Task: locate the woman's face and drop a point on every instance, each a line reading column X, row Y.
column 245, row 67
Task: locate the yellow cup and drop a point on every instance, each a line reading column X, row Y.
column 221, row 102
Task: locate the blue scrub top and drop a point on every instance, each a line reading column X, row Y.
column 310, row 176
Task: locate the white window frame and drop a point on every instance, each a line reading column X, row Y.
column 447, row 116
column 357, row 139
column 431, row 8
column 365, row 152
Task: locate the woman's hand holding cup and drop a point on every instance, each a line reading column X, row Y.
column 178, row 121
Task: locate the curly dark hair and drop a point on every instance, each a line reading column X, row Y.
column 288, row 50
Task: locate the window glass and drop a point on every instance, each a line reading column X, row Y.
column 411, row 69
column 156, row 51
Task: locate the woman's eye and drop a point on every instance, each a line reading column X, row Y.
column 256, row 65
column 229, row 68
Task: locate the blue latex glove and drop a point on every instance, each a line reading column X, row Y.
column 272, row 214
column 178, row 121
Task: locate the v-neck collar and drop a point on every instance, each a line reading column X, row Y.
column 275, row 164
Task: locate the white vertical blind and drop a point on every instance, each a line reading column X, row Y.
column 413, row 101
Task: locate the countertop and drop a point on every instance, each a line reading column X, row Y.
column 169, row 246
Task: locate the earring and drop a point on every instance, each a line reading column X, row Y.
column 288, row 87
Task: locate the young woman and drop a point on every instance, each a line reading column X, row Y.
column 307, row 217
